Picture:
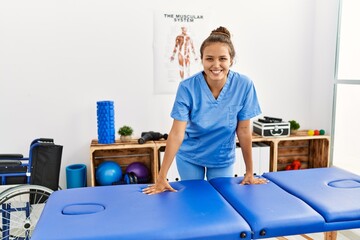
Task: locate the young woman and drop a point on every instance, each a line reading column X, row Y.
column 211, row 108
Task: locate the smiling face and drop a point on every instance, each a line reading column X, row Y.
column 216, row 61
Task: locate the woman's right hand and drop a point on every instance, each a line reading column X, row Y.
column 161, row 185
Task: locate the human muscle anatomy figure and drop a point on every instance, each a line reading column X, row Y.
column 184, row 46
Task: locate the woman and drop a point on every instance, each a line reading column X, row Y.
column 211, row 108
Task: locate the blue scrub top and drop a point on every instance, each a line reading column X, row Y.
column 210, row 135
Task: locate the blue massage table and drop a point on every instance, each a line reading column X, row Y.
column 291, row 203
column 196, row 211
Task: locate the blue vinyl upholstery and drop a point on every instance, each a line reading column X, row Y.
column 196, row 211
column 333, row 192
column 269, row 210
column 291, row 203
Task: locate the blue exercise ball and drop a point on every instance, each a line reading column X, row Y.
column 108, row 173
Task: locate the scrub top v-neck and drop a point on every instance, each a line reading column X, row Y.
column 211, row 123
column 205, row 87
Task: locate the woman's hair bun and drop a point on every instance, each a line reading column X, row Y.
column 221, row 31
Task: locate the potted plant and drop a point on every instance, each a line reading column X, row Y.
column 294, row 126
column 125, row 133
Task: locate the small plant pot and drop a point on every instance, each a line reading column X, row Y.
column 125, row 138
column 293, row 132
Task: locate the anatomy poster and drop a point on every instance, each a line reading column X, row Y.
column 177, row 40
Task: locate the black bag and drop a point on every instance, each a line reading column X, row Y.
column 45, row 165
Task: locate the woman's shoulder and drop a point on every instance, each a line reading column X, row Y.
column 192, row 80
column 240, row 78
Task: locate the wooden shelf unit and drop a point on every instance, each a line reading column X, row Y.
column 124, row 153
column 312, row 151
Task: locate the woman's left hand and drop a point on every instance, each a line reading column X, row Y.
column 250, row 179
column 160, row 186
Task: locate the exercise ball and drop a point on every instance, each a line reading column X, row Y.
column 107, row 173
column 141, row 172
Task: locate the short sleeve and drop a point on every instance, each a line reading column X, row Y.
column 251, row 107
column 181, row 107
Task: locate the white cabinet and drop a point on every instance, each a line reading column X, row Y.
column 260, row 156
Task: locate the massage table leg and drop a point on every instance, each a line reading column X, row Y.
column 327, row 236
column 330, row 235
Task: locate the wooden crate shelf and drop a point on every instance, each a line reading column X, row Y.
column 311, row 151
column 124, row 153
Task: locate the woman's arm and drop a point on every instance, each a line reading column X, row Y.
column 173, row 144
column 243, row 132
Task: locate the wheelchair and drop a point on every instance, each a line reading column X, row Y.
column 29, row 182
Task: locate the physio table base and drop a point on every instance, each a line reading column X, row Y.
column 291, row 203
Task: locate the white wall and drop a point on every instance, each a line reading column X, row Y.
column 58, row 58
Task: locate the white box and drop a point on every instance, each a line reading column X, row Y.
column 260, row 156
column 256, row 157
column 239, row 165
column 173, row 173
column 264, row 158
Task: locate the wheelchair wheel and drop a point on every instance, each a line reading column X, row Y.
column 21, row 207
